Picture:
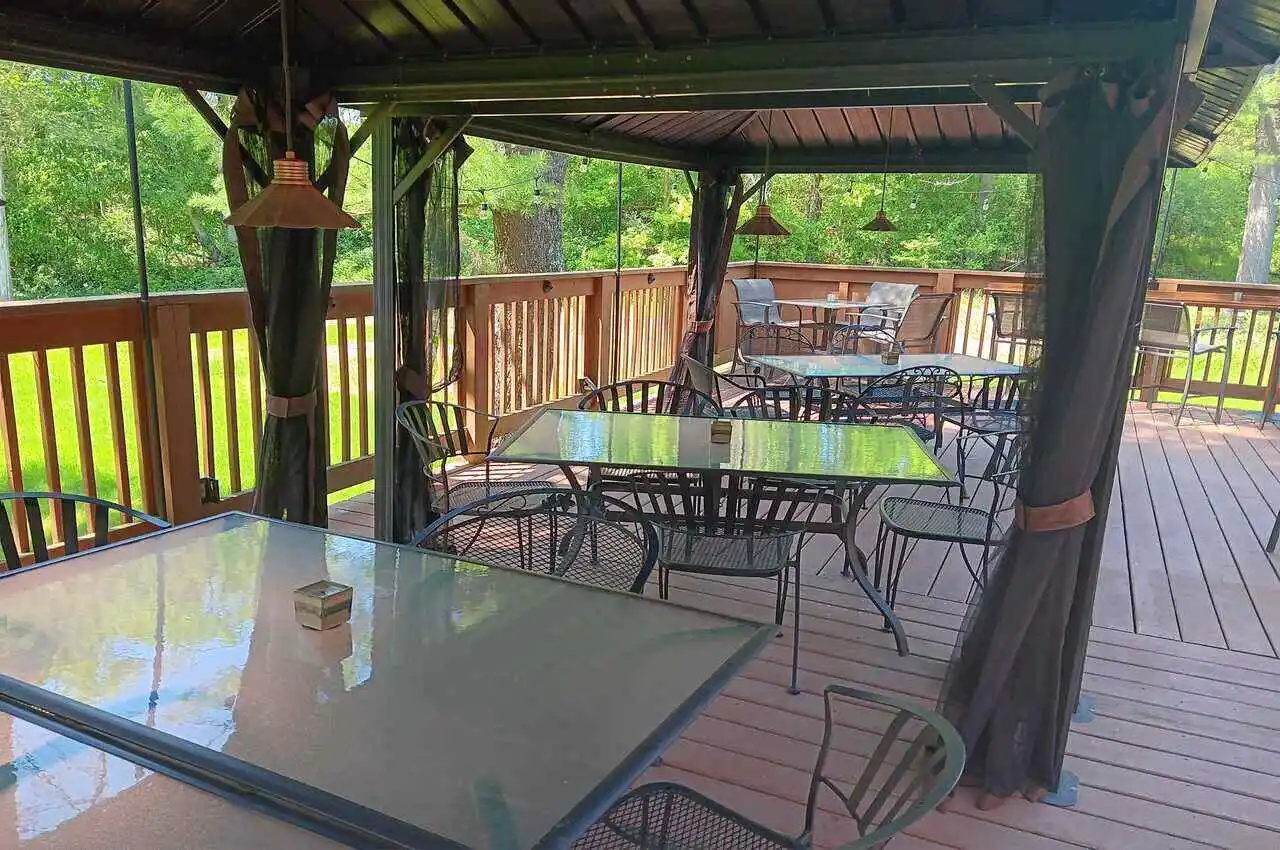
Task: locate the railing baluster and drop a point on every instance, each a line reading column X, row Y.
column 231, row 402
column 12, row 451
column 362, row 383
column 1248, row 344
column 84, row 436
column 344, row 389
column 48, row 431
column 256, row 401
column 115, row 407
column 139, row 379
column 205, row 402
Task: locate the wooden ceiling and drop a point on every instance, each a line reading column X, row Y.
column 811, row 84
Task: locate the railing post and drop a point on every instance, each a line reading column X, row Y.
column 477, row 359
column 946, row 339
column 175, row 395
column 600, row 330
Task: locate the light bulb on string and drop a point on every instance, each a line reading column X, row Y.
column 484, row 202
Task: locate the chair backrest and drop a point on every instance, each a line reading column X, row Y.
column 439, row 431
column 918, row 330
column 807, row 403
column 896, row 296
column 40, row 527
column 1013, row 316
column 754, row 297
column 911, row 397
column 1165, row 326
column 701, row 377
column 746, row 504
column 772, row 339
column 656, row 397
column 551, row 530
column 911, row 768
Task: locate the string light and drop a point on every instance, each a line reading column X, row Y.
column 484, row 202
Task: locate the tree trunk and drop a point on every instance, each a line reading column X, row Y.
column 6, row 276
column 813, row 212
column 530, row 241
column 1264, row 190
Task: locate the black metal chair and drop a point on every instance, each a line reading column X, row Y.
column 554, row 530
column 908, row 771
column 993, row 412
column 713, row 383
column 441, row 436
column 915, row 397
column 799, row 403
column 774, row 340
column 26, row 520
column 903, row 520
column 655, row 397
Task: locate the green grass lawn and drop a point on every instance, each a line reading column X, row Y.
column 72, row 479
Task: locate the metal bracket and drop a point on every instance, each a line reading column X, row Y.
column 1067, row 794
column 1086, row 706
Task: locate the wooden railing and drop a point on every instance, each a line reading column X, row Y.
column 73, row 413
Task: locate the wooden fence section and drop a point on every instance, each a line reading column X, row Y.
column 74, row 415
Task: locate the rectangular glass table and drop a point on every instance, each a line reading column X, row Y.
column 462, row 706
column 855, row 457
column 808, row 367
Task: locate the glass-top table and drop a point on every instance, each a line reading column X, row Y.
column 870, row 366
column 825, row 303
column 461, row 706
column 822, row 451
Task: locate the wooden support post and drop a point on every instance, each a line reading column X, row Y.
column 175, row 393
column 476, row 383
column 602, row 335
column 384, row 331
column 946, row 339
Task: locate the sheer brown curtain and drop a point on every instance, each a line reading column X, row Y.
column 717, row 202
column 1015, row 677
column 288, row 274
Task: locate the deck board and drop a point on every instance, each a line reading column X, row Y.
column 1184, row 751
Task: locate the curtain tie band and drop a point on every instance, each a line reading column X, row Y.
column 1073, row 512
column 702, row 326
column 288, row 407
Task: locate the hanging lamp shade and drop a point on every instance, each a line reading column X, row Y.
column 880, row 224
column 763, row 224
column 291, row 201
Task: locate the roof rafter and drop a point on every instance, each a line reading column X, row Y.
column 557, row 135
column 1008, row 54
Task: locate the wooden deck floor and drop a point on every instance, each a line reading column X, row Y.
column 1185, row 749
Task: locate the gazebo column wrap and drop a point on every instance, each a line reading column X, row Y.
column 288, row 274
column 1015, row 678
column 717, row 202
column 427, row 291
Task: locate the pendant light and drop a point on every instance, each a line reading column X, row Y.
column 763, row 223
column 881, row 223
column 290, row 200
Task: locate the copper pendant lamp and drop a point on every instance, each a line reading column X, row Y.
column 290, row 200
column 881, row 223
column 763, row 223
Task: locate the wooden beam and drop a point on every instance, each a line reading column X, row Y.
column 215, row 122
column 860, row 160
column 1009, row 112
column 434, row 151
column 1201, row 17
column 373, row 117
column 565, row 137
column 1004, row 54
column 959, row 94
column 384, row 331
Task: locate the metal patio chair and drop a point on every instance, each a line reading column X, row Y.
column 1013, row 319
column 654, row 397
column 916, row 397
column 441, row 436
column 992, row 413
column 886, row 304
column 770, row 339
column 732, row 525
column 909, row 769
column 553, row 530
column 1167, row 334
column 754, row 302
column 713, row 383
column 799, row 403
column 916, row 332
column 26, row 520
column 903, row 520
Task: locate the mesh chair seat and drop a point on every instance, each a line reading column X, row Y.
column 936, row 520
column 466, row 492
column 985, row 421
column 666, row 816
column 696, row 548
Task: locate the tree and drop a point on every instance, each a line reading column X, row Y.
column 6, row 279
column 1258, row 244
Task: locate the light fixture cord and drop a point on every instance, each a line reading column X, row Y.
column 884, row 182
column 287, row 73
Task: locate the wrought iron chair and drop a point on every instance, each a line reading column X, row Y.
column 553, row 530
column 27, row 518
column 732, row 525
column 440, row 434
column 713, row 383
column 993, row 413
column 903, row 520
column 799, row 403
column 916, row 397
column 910, row 770
column 656, row 397
column 1166, row 335
column 770, row 339
column 916, row 332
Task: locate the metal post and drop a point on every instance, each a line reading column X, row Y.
column 617, row 276
column 144, row 300
column 384, row 330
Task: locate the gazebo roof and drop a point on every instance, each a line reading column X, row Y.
column 683, row 82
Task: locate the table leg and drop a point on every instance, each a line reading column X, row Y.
column 855, row 565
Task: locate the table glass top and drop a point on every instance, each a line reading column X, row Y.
column 816, row 450
column 59, row 794
column 870, row 365
column 823, row 303
column 479, row 704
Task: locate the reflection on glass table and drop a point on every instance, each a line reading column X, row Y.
column 836, row 366
column 482, row 705
column 59, row 794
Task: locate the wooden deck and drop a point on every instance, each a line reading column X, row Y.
column 1185, row 749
